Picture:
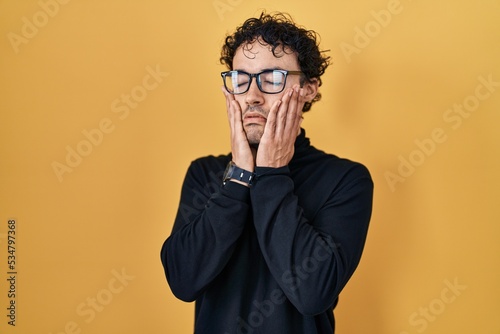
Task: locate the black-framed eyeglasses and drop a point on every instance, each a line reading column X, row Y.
column 268, row 81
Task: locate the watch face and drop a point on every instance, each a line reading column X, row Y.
column 229, row 171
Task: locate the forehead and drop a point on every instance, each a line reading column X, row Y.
column 257, row 56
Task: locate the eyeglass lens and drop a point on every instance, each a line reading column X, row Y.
column 268, row 81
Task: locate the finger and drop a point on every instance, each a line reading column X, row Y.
column 294, row 114
column 237, row 120
column 283, row 111
column 229, row 97
column 236, row 109
column 234, row 113
column 270, row 128
column 228, row 106
column 292, row 107
column 234, row 117
column 298, row 109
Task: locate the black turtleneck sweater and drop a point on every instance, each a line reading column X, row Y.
column 274, row 257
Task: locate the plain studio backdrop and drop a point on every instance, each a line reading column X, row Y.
column 103, row 105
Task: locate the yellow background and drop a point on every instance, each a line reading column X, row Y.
column 112, row 212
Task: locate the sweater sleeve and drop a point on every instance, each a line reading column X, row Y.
column 312, row 260
column 209, row 221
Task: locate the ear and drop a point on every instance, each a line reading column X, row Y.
column 310, row 89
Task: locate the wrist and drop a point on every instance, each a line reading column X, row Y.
column 235, row 173
column 250, row 167
column 239, row 182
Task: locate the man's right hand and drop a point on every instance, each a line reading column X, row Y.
column 243, row 154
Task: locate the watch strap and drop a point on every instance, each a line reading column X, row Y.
column 236, row 173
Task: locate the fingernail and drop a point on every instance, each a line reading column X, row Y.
column 290, row 92
column 302, row 92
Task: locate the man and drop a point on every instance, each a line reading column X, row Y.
column 266, row 238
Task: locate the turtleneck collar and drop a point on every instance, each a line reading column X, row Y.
column 302, row 142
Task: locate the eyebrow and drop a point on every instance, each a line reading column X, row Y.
column 266, row 69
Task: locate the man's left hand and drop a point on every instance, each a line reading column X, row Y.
column 276, row 146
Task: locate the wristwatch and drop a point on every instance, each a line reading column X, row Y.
column 236, row 173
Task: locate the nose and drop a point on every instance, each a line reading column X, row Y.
column 254, row 96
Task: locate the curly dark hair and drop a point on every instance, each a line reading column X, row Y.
column 280, row 32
